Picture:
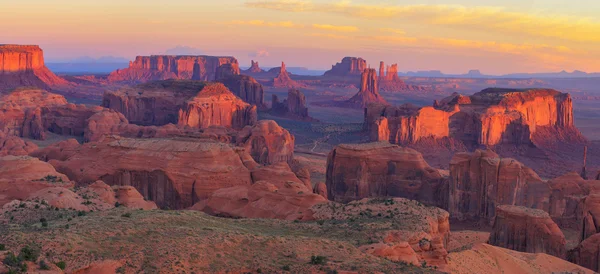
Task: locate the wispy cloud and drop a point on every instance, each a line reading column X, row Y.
column 336, row 28
column 329, row 35
column 495, row 19
column 391, row 30
column 282, row 24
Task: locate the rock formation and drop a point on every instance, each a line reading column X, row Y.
column 490, row 117
column 227, row 70
column 481, row 181
column 293, row 107
column 215, row 105
column 246, row 88
column 527, row 230
column 173, row 173
column 350, row 66
column 267, row 142
column 12, row 145
column 390, row 81
column 193, row 103
column 283, row 79
column 23, row 65
column 321, row 189
column 162, row 67
column 587, row 253
column 22, row 175
column 368, row 93
column 254, row 68
column 382, row 170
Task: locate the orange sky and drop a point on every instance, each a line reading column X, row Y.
column 452, row 36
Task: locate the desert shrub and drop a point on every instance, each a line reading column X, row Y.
column 29, row 254
column 2, row 247
column 44, row 265
column 286, row 268
column 62, row 265
column 318, row 260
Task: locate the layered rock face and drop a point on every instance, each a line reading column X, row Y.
column 227, row 70
column 12, row 145
column 173, row 173
column 587, row 253
column 382, row 170
column 294, row 106
column 481, row 181
column 22, row 175
column 215, row 105
column 267, row 142
column 283, row 79
column 31, row 112
column 191, row 103
column 489, row 117
column 23, row 65
column 350, row 66
column 527, row 230
column 162, row 67
column 246, row 88
column 369, row 91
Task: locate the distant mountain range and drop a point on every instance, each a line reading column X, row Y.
column 477, row 74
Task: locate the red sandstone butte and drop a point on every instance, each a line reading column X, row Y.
column 368, row 92
column 350, row 66
column 527, row 230
column 247, row 88
column 382, row 170
column 267, row 142
column 254, row 68
column 390, row 81
column 490, row 117
column 283, row 79
column 23, row 65
column 162, row 67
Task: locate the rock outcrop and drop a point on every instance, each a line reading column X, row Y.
column 390, row 81
column 283, row 79
column 12, row 145
column 173, row 173
column 227, row 70
column 247, row 88
column 192, row 103
column 527, row 230
column 163, row 67
column 587, row 253
column 23, row 65
column 490, row 117
column 254, row 68
column 382, row 170
column 369, row 91
column 267, row 142
column 481, row 181
column 22, row 175
column 215, row 105
column 350, row 66
column 293, row 107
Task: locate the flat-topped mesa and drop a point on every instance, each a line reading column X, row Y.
column 215, row 105
column 527, row 230
column 162, row 67
column 18, row 58
column 283, row 79
column 350, row 66
column 369, row 91
column 226, row 70
column 254, row 68
column 293, row 107
column 490, row 117
column 382, row 170
column 23, row 65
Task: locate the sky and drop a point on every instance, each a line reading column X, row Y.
column 494, row 36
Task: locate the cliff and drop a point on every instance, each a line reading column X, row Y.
column 162, row 67
column 22, row 65
column 489, row 117
column 246, row 88
column 215, row 105
column 350, row 66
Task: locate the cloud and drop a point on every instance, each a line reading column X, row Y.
column 282, row 24
column 259, row 53
column 486, row 19
column 329, row 35
column 336, row 28
column 391, row 30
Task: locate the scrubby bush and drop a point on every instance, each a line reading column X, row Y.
column 318, row 260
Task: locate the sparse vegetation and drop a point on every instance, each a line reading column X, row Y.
column 62, row 265
column 126, row 215
column 318, row 260
column 51, row 179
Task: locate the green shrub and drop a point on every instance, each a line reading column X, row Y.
column 44, row 265
column 286, row 268
column 318, row 260
column 62, row 265
column 2, row 247
column 29, row 254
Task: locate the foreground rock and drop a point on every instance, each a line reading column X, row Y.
column 173, row 173
column 382, row 170
column 527, row 230
column 23, row 65
column 12, row 145
column 163, row 67
column 490, row 117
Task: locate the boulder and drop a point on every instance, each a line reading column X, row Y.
column 527, row 230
